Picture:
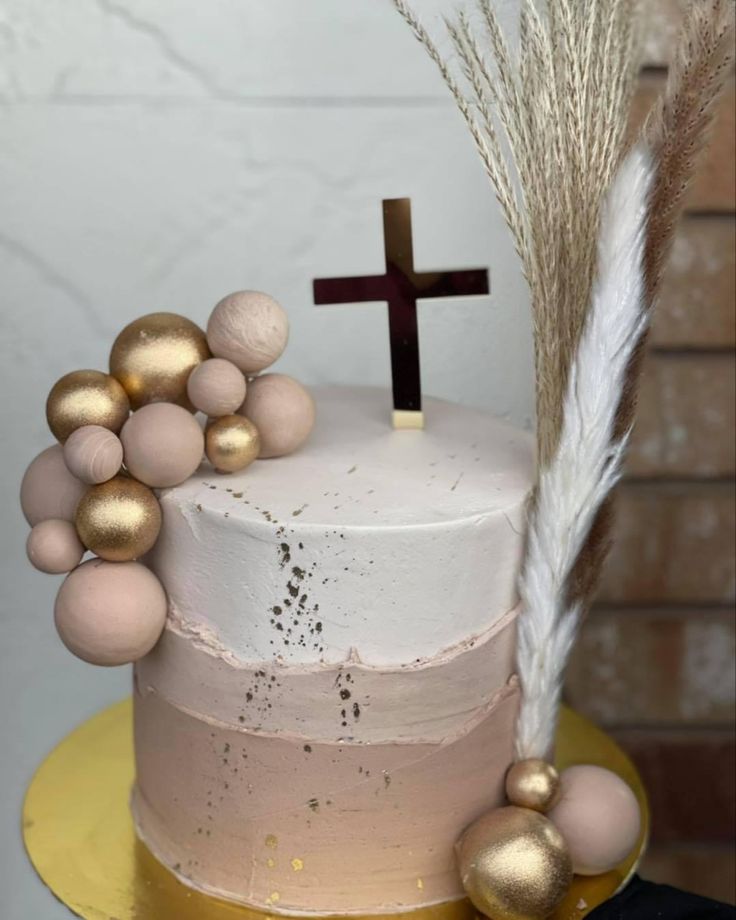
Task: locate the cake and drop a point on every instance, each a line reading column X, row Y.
column 333, row 700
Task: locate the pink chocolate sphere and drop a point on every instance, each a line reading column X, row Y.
column 110, row 613
column 48, row 489
column 163, row 444
column 93, row 454
column 216, row 387
column 283, row 412
column 248, row 328
column 54, row 547
column 599, row 817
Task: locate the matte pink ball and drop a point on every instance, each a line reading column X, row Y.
column 54, row 547
column 599, row 817
column 216, row 387
column 248, row 328
column 282, row 411
column 110, row 613
column 48, row 489
column 163, row 444
column 93, row 454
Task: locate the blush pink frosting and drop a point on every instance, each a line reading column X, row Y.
column 331, row 702
column 274, row 822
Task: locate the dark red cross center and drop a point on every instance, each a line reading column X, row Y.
column 400, row 288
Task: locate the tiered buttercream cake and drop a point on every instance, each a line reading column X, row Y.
column 333, row 700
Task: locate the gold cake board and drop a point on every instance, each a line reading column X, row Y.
column 79, row 833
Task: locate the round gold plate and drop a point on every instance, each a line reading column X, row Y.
column 79, row 834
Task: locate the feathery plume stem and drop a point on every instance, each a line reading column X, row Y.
column 587, row 462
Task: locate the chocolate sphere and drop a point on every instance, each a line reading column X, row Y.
column 599, row 817
column 216, row 387
column 86, row 398
column 283, row 412
column 110, row 613
column 119, row 520
column 154, row 356
column 163, row 444
column 514, row 865
column 48, row 489
column 533, row 784
column 248, row 328
column 93, row 454
column 54, row 547
column 232, row 443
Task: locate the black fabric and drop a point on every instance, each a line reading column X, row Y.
column 642, row 900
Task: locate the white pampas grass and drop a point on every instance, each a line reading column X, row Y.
column 587, row 462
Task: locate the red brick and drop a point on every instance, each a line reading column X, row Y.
column 686, row 418
column 689, row 778
column 655, row 667
column 696, row 307
column 673, row 543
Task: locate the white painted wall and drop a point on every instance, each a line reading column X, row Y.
column 157, row 154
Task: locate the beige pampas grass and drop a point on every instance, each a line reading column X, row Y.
column 676, row 133
column 678, row 127
column 549, row 121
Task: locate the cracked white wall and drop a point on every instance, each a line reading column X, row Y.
column 157, row 154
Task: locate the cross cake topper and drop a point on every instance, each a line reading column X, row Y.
column 400, row 287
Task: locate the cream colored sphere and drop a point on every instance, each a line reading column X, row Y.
column 249, row 328
column 216, row 387
column 110, row 613
column 163, row 444
column 48, row 489
column 283, row 412
column 54, row 547
column 93, row 454
column 599, row 817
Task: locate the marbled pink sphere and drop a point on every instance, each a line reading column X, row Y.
column 216, row 387
column 110, row 613
column 163, row 444
column 599, row 817
column 54, row 547
column 48, row 489
column 283, row 412
column 93, row 454
column 248, row 328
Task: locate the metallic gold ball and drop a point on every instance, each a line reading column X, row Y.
column 86, row 398
column 154, row 356
column 514, row 864
column 231, row 443
column 119, row 520
column 533, row 784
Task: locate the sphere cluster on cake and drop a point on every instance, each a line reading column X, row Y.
column 125, row 435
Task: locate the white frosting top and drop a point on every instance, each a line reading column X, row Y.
column 389, row 546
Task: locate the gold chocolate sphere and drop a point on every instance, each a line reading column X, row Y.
column 514, row 864
column 154, row 356
column 119, row 520
column 232, row 443
column 86, row 398
column 534, row 784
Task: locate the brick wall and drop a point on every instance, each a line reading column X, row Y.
column 655, row 664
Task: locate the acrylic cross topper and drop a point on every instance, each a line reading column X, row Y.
column 401, row 287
